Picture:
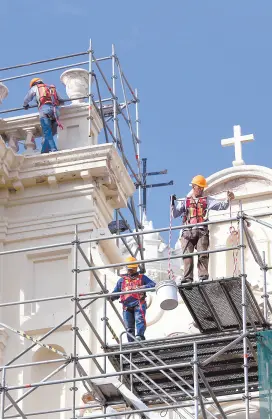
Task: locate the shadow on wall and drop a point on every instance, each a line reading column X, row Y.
column 48, row 397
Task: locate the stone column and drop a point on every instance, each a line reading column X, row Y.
column 30, row 143
column 3, row 92
column 76, row 82
column 13, row 138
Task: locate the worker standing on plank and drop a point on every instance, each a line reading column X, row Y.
column 134, row 304
column 48, row 102
column 194, row 210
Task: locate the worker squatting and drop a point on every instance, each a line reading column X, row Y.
column 193, row 210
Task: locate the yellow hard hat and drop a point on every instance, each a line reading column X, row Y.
column 200, row 181
column 131, row 260
column 36, row 79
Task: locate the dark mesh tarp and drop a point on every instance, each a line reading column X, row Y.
column 264, row 348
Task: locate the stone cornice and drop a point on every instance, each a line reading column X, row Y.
column 99, row 163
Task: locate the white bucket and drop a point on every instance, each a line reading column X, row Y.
column 167, row 293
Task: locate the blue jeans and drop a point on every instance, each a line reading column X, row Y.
column 49, row 127
column 132, row 316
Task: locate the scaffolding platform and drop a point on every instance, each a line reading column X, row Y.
column 225, row 374
column 216, row 306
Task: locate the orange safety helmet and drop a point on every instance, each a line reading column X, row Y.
column 36, row 79
column 131, row 260
column 200, row 181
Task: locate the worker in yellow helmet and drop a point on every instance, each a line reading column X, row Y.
column 134, row 304
column 194, row 210
column 48, row 100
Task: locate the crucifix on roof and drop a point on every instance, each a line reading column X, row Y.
column 237, row 141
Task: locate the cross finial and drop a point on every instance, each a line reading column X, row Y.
column 237, row 141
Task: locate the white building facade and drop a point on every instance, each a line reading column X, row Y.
column 43, row 197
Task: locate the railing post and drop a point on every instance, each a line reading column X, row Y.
column 244, row 307
column 196, row 384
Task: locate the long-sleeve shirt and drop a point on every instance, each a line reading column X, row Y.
column 32, row 94
column 179, row 208
column 131, row 301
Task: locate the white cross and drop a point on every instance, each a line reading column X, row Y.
column 237, row 141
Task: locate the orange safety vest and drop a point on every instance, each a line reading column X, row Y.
column 47, row 94
column 196, row 211
column 132, row 284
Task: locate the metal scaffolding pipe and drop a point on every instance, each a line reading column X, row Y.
column 261, row 222
column 105, row 375
column 24, row 302
column 265, row 294
column 195, row 375
column 82, row 63
column 244, row 308
column 60, row 410
column 75, row 328
column 34, row 73
column 35, row 248
column 223, row 350
column 147, row 232
column 150, row 260
column 43, row 380
column 32, row 63
column 42, row 338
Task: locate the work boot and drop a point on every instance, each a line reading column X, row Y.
column 201, row 278
column 140, row 337
column 183, row 281
column 187, row 281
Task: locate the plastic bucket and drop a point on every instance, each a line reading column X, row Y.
column 167, row 293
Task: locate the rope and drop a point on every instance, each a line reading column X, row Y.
column 234, row 236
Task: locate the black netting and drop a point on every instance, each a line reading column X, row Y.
column 217, row 306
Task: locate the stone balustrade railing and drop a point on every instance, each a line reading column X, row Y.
column 23, row 129
column 74, row 117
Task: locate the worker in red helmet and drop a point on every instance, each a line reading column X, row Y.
column 134, row 304
column 194, row 210
column 48, row 101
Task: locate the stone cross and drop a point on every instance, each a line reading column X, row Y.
column 237, row 141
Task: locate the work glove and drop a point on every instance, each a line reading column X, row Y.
column 25, row 106
column 230, row 195
column 173, row 199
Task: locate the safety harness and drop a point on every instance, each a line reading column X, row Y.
column 47, row 94
column 196, row 210
column 133, row 284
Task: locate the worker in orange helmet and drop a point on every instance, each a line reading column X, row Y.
column 195, row 210
column 48, row 101
column 134, row 304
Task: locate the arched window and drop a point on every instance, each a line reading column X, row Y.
column 47, row 397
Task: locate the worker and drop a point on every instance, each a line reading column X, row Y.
column 48, row 101
column 134, row 304
column 94, row 407
column 195, row 210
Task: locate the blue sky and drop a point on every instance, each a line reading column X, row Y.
column 200, row 68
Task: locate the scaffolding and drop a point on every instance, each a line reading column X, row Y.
column 145, row 369
column 146, row 363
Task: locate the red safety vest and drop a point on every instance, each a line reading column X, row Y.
column 196, row 211
column 132, row 284
column 47, row 95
